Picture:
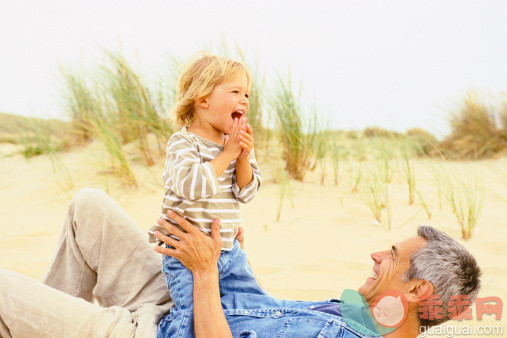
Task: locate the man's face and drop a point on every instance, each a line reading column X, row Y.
column 389, row 267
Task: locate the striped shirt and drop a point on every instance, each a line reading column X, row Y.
column 193, row 190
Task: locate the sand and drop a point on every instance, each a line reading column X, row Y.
column 320, row 247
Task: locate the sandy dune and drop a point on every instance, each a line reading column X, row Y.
column 317, row 249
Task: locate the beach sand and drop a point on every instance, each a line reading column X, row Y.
column 320, row 247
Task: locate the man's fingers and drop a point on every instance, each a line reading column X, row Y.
column 182, row 222
column 166, row 239
column 241, row 237
column 167, row 251
column 169, row 227
column 215, row 231
column 241, row 234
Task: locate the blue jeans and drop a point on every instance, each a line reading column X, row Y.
column 249, row 310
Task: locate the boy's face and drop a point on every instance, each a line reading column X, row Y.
column 227, row 101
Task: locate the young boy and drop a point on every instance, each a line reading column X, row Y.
column 210, row 169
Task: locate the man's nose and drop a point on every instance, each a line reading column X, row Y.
column 377, row 257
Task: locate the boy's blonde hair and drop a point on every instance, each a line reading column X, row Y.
column 198, row 77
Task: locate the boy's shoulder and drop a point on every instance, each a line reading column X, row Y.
column 181, row 136
column 180, row 140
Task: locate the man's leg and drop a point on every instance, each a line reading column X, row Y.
column 32, row 309
column 102, row 254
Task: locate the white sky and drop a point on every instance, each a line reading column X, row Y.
column 396, row 64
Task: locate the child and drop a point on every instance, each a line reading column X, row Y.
column 210, row 168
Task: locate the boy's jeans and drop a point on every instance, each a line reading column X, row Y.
column 236, row 280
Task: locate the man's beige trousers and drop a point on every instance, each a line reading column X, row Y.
column 101, row 255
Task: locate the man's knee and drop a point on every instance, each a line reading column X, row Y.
column 89, row 206
column 7, row 279
column 89, row 195
column 90, row 199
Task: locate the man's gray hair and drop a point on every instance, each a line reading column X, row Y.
column 447, row 265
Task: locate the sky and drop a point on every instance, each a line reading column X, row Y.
column 394, row 64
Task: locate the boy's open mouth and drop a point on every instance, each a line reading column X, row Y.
column 237, row 114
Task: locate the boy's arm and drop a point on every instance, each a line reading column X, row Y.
column 249, row 174
column 221, row 162
column 244, row 174
column 184, row 173
column 231, row 150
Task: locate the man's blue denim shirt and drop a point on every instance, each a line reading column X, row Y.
column 289, row 319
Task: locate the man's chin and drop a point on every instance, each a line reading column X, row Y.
column 363, row 290
column 368, row 290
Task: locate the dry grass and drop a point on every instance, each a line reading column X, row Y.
column 408, row 170
column 297, row 130
column 35, row 133
column 116, row 104
column 375, row 192
column 474, row 130
column 464, row 192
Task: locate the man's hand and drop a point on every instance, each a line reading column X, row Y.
column 241, row 237
column 196, row 251
column 199, row 254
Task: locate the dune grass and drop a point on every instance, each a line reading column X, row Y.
column 375, row 192
column 86, row 104
column 423, row 203
column 80, row 103
column 408, row 170
column 463, row 189
column 131, row 104
column 337, row 159
column 37, row 141
column 321, row 151
column 36, row 136
column 475, row 133
column 117, row 104
column 297, row 130
column 285, row 190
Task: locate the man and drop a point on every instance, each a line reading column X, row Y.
column 103, row 256
column 431, row 263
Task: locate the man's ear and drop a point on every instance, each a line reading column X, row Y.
column 419, row 290
column 202, row 102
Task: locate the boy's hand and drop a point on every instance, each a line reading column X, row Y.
column 232, row 143
column 246, row 140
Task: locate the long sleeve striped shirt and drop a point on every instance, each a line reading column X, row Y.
column 193, row 190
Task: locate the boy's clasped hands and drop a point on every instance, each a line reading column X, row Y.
column 240, row 142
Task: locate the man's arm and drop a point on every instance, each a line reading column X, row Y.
column 199, row 253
